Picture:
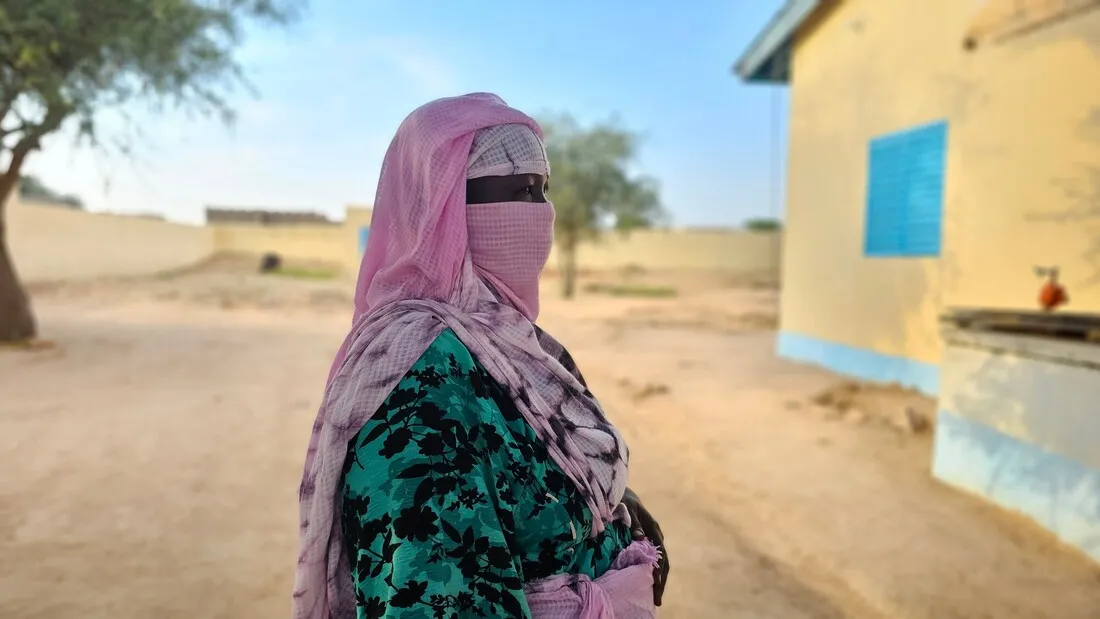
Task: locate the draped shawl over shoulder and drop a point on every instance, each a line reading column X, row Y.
column 415, row 280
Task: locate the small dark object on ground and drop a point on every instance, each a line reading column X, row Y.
column 918, row 422
column 270, row 262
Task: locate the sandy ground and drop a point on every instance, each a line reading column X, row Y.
column 150, row 461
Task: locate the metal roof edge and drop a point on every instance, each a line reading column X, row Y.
column 774, row 36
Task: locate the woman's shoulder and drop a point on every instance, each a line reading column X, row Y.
column 443, row 400
column 445, row 368
column 446, row 380
column 447, row 351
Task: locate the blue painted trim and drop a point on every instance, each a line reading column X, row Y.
column 860, row 363
column 1062, row 495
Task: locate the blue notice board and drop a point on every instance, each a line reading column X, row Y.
column 364, row 232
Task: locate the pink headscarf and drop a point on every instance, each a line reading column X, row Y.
column 417, row 279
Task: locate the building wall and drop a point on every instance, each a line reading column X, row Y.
column 1022, row 190
column 1023, row 168
column 50, row 243
column 734, row 251
column 303, row 242
column 1026, row 191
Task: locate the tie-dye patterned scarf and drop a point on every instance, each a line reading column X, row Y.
column 417, row 279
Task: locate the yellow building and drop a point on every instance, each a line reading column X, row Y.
column 940, row 151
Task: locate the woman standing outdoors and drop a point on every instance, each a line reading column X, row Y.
column 459, row 465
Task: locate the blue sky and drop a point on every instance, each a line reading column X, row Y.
column 333, row 89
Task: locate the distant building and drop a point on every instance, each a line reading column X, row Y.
column 260, row 217
column 939, row 152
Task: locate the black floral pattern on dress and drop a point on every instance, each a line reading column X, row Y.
column 450, row 503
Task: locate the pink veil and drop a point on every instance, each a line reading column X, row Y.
column 415, row 281
column 418, row 251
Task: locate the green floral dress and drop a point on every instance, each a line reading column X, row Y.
column 451, row 504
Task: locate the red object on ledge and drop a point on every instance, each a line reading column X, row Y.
column 1052, row 294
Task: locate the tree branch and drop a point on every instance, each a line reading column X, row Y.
column 24, row 127
column 5, row 109
column 31, row 141
column 11, row 89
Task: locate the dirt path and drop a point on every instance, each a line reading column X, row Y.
column 784, row 513
column 151, row 462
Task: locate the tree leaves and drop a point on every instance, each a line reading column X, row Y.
column 591, row 184
column 60, row 58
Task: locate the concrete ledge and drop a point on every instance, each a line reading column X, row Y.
column 1042, row 391
column 1065, row 352
column 860, row 363
column 1060, row 494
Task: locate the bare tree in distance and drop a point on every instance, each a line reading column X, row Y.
column 65, row 61
column 592, row 188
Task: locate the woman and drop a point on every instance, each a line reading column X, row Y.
column 459, row 466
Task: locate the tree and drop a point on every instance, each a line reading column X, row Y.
column 763, row 225
column 592, row 190
column 30, row 188
column 62, row 61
